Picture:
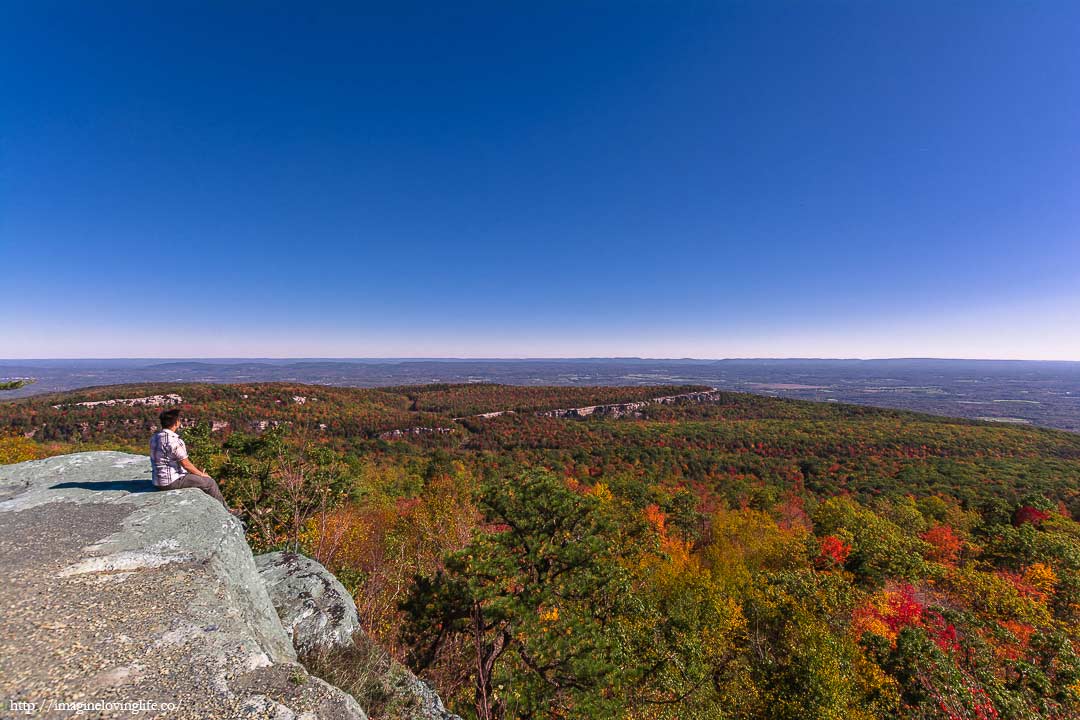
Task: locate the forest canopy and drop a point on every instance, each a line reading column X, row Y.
column 734, row 556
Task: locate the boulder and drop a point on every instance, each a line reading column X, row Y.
column 319, row 614
column 390, row 689
column 315, row 609
column 115, row 593
column 418, row 699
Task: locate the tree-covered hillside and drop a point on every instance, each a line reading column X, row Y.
column 127, row 413
column 739, row 557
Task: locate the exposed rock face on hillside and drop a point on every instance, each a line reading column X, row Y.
column 414, row 432
column 151, row 401
column 315, row 609
column 115, row 593
column 630, row 409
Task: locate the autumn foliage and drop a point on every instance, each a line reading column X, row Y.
column 743, row 558
column 834, row 552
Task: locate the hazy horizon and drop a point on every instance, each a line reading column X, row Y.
column 1036, row 392
column 512, row 358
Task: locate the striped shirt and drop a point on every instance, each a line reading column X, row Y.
column 166, row 452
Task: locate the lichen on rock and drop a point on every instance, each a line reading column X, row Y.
column 315, row 609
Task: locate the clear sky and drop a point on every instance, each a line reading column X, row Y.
column 660, row 179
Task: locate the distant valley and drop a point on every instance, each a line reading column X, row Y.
column 1046, row 394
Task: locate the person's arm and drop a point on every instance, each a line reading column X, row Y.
column 190, row 467
column 179, row 453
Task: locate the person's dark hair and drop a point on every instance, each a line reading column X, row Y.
column 169, row 417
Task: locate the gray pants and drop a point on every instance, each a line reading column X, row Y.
column 191, row 480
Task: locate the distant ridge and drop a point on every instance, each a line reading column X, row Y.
column 1040, row 392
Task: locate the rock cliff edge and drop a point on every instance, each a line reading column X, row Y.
column 115, row 594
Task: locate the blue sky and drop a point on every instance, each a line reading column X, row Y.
column 706, row 179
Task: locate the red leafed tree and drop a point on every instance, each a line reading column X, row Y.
column 834, row 552
column 1028, row 514
column 945, row 545
column 904, row 610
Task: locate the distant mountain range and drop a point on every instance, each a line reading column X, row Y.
column 1045, row 393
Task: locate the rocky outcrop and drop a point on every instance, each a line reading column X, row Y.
column 410, row 698
column 320, row 616
column 115, row 594
column 414, row 432
column 420, row 701
column 316, row 610
column 152, row 401
column 630, row 409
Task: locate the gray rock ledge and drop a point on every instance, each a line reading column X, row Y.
column 115, row 594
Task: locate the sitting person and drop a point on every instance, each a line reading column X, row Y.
column 169, row 459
